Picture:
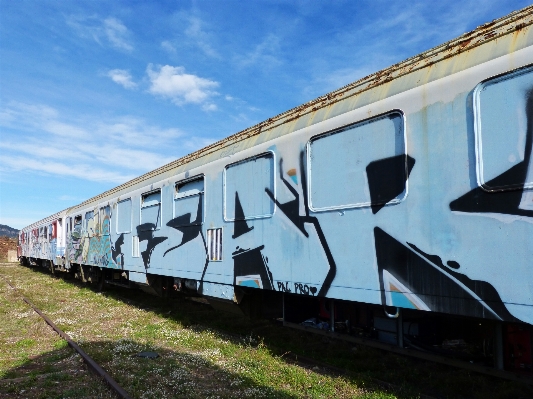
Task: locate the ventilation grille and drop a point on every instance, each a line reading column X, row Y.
column 135, row 246
column 214, row 244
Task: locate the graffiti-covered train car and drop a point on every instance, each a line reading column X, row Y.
column 399, row 206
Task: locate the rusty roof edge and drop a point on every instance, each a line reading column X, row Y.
column 39, row 223
column 462, row 43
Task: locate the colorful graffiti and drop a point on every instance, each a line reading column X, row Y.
column 90, row 242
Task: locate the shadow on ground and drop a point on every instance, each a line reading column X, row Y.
column 173, row 374
column 375, row 370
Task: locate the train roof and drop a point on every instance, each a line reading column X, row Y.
column 499, row 37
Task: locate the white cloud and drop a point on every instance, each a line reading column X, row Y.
column 168, row 46
column 106, row 150
column 110, row 31
column 201, row 38
column 173, row 83
column 209, row 107
column 122, row 77
column 194, row 35
column 81, row 171
column 117, row 34
column 265, row 54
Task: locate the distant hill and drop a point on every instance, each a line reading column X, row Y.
column 7, row 231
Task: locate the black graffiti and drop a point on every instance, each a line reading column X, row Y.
column 190, row 231
column 441, row 289
column 299, row 288
column 304, row 289
column 386, row 179
column 116, row 250
column 291, row 210
column 434, row 258
column 250, row 262
column 240, row 226
column 145, row 232
column 504, row 202
column 283, row 287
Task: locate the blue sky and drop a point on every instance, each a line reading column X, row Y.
column 94, row 93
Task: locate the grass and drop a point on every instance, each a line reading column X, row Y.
column 202, row 353
column 34, row 361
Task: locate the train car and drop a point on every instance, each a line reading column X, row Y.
column 43, row 242
column 398, row 207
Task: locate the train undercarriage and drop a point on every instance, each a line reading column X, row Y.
column 484, row 345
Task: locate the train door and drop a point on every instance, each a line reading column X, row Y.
column 69, row 251
column 188, row 251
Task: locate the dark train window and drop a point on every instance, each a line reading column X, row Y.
column 360, row 165
column 124, row 216
column 503, row 109
column 246, row 182
column 151, row 211
column 189, row 203
column 89, row 223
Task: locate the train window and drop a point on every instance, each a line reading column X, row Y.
column 245, row 182
column 89, row 223
column 503, row 111
column 151, row 211
column 189, row 203
column 124, row 216
column 105, row 220
column 360, row 165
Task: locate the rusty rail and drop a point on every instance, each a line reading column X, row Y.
column 93, row 366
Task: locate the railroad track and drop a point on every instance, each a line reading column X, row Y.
column 290, row 357
column 91, row 364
